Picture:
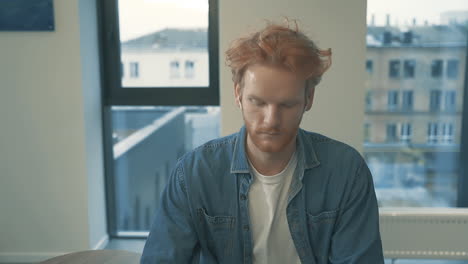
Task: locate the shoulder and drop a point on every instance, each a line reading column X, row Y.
column 217, row 149
column 322, row 142
column 330, row 151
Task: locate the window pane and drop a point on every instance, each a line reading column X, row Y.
column 394, row 69
column 436, row 68
column 413, row 128
column 409, row 67
column 147, row 141
column 452, row 69
column 434, row 103
column 392, row 100
column 369, row 66
column 166, row 40
column 407, row 100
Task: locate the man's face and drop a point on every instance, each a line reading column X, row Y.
column 273, row 101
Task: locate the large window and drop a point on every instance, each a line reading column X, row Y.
column 417, row 149
column 165, row 104
column 417, row 163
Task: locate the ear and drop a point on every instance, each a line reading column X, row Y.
column 310, row 98
column 238, row 94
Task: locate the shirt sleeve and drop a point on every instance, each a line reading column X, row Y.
column 357, row 236
column 172, row 237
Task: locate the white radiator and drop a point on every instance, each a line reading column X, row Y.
column 424, row 233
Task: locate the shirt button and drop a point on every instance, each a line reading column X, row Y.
column 246, row 227
column 243, row 197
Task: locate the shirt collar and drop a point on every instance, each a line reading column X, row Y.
column 305, row 152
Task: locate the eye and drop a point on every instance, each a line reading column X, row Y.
column 288, row 105
column 256, row 102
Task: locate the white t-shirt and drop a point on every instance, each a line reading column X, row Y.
column 268, row 199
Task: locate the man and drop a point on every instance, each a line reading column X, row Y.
column 272, row 193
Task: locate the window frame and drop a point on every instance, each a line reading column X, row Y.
column 462, row 193
column 112, row 93
column 115, row 94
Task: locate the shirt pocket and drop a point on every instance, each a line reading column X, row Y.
column 320, row 230
column 217, row 233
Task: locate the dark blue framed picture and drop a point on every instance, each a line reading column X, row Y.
column 26, row 15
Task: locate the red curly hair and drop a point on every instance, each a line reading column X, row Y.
column 280, row 46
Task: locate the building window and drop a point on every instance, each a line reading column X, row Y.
column 405, row 132
column 134, row 70
column 175, row 72
column 408, row 68
column 391, row 132
column 367, row 127
column 189, row 69
column 432, row 133
column 392, row 100
column 450, row 100
column 434, row 101
column 369, row 100
column 452, row 69
column 407, row 103
column 394, row 69
column 436, row 68
column 122, row 70
column 447, row 133
column 369, row 66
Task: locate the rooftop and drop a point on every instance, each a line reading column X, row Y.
column 169, row 39
column 417, row 36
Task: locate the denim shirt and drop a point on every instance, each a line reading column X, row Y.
column 203, row 216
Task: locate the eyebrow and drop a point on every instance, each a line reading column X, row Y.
column 290, row 101
column 254, row 97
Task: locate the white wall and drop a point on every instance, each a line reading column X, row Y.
column 338, row 109
column 50, row 148
column 91, row 87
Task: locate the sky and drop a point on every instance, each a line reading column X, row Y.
column 140, row 17
column 403, row 11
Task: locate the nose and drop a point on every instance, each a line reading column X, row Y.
column 272, row 117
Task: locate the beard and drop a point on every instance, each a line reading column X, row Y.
column 271, row 140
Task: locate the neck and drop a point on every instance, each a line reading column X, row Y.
column 268, row 163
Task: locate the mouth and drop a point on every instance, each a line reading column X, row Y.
column 270, row 133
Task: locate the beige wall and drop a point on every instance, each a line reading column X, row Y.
column 51, row 189
column 338, row 109
column 50, row 141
